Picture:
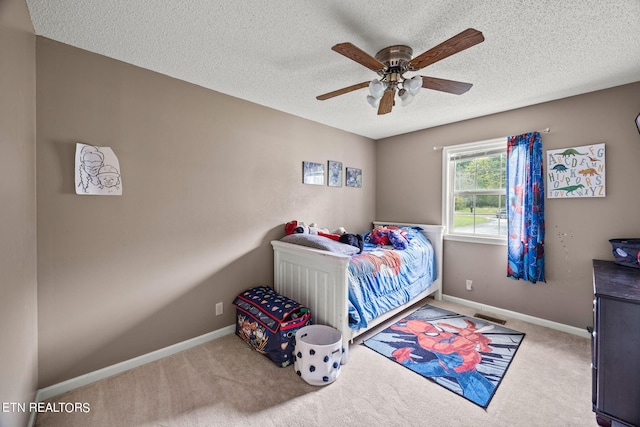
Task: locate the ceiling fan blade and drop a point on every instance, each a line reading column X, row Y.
column 342, row 91
column 455, row 44
column 444, row 85
column 361, row 57
column 386, row 103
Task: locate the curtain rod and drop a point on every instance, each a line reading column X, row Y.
column 547, row 130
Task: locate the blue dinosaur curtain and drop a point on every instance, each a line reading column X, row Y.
column 525, row 204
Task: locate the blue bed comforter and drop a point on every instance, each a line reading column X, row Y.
column 382, row 278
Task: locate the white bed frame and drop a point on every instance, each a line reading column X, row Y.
column 318, row 279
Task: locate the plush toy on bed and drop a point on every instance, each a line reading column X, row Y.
column 340, row 234
column 293, row 227
column 354, row 240
column 389, row 235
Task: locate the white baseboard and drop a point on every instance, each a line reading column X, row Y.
column 109, row 371
column 524, row 317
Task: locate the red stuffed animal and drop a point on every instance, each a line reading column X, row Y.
column 293, row 227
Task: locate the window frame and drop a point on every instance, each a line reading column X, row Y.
column 448, row 188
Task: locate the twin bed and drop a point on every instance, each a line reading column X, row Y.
column 354, row 293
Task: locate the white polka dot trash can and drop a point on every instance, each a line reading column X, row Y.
column 317, row 354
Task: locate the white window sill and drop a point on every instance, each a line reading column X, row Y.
column 476, row 239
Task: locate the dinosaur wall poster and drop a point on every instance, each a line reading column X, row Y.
column 576, row 172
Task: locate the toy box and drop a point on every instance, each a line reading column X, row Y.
column 268, row 322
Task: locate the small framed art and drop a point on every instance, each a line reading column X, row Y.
column 312, row 173
column 334, row 174
column 354, row 177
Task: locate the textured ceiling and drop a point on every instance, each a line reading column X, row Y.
column 278, row 53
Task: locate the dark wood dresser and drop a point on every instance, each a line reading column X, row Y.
column 616, row 344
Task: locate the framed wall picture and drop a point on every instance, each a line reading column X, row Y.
column 354, row 177
column 576, row 172
column 334, row 178
column 312, row 173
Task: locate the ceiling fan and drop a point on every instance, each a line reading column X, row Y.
column 392, row 62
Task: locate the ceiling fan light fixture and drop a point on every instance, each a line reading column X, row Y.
column 376, row 88
column 405, row 97
column 413, row 85
column 373, row 101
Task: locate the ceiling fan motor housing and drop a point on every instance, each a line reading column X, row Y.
column 395, row 56
column 396, row 59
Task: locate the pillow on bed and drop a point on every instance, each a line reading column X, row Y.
column 378, row 236
column 398, row 239
column 397, row 236
column 320, row 242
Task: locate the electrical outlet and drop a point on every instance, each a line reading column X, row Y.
column 218, row 309
column 469, row 285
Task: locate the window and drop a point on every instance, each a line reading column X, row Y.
column 474, row 191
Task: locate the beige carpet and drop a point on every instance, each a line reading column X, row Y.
column 224, row 383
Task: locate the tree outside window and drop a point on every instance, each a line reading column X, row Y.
column 475, row 190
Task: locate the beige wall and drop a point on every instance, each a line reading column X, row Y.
column 577, row 230
column 18, row 300
column 208, row 181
